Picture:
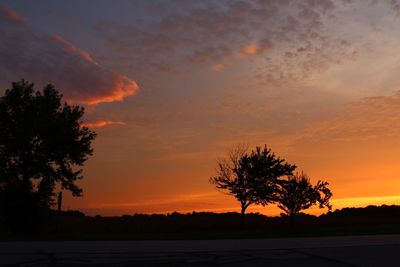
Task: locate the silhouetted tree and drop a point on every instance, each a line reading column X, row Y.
column 297, row 193
column 42, row 145
column 251, row 177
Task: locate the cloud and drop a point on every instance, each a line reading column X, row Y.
column 369, row 119
column 102, row 123
column 12, row 15
column 249, row 50
column 395, row 7
column 52, row 59
column 294, row 39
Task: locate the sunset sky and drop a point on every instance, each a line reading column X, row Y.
column 171, row 86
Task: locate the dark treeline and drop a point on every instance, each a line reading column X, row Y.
column 76, row 225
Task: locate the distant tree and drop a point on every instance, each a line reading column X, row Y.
column 42, row 145
column 250, row 177
column 297, row 193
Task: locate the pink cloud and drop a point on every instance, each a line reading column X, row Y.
column 249, row 50
column 71, row 49
column 12, row 15
column 52, row 59
column 102, row 123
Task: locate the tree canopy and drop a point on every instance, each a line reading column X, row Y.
column 251, row 177
column 297, row 193
column 42, row 144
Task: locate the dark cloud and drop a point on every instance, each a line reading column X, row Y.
column 52, row 59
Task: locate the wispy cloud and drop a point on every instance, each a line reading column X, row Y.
column 102, row 123
column 371, row 118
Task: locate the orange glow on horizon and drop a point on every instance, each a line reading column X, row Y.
column 226, row 204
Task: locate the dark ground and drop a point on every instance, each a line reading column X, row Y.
column 73, row 225
column 349, row 237
column 379, row 250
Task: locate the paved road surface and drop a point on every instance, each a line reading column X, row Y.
column 383, row 250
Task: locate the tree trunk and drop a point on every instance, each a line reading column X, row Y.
column 59, row 204
column 243, row 218
column 291, row 220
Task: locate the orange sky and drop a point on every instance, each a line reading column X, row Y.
column 170, row 87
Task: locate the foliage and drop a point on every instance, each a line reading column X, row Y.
column 42, row 142
column 297, row 193
column 251, row 177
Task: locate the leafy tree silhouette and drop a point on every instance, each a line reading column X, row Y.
column 251, row 177
column 42, row 145
column 297, row 193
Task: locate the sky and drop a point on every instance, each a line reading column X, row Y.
column 171, row 86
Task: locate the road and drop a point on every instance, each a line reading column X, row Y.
column 380, row 250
